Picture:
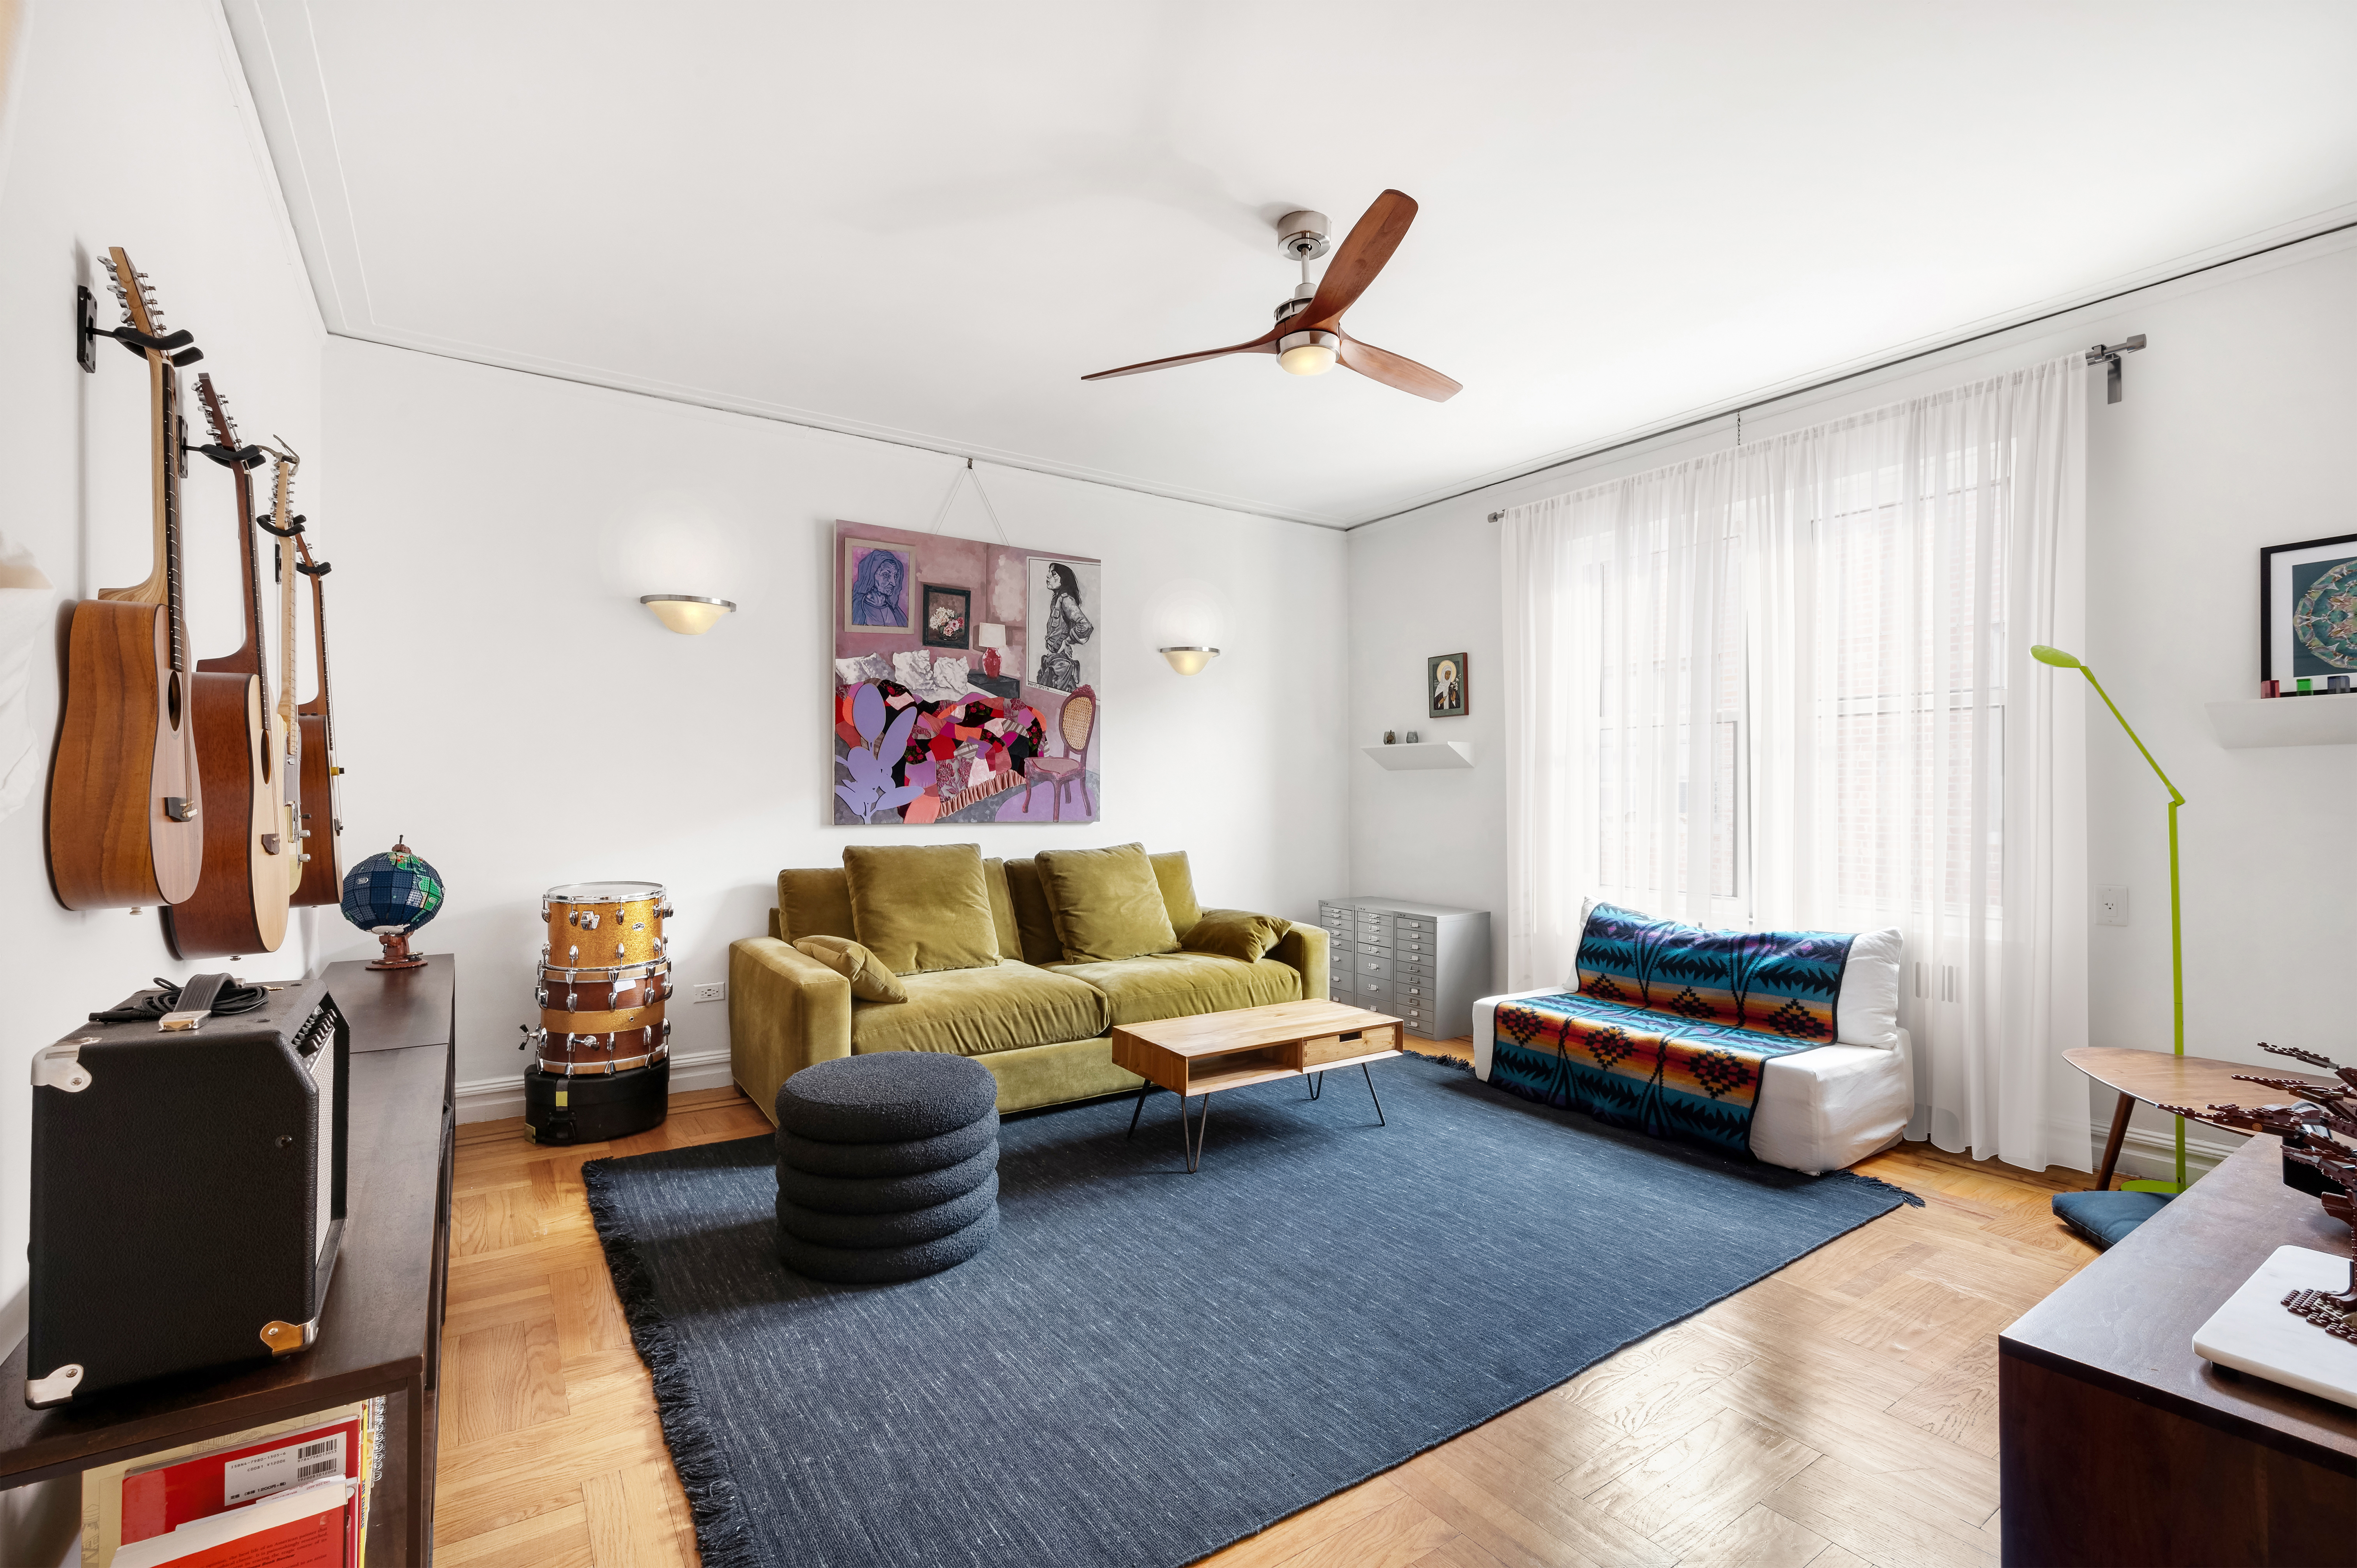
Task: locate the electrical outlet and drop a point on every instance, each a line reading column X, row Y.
column 715, row 992
column 2111, row 906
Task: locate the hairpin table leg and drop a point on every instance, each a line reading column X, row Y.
column 1369, row 1070
column 1142, row 1091
column 1194, row 1146
column 1316, row 1084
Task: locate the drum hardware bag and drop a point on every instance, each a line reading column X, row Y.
column 187, row 1187
column 592, row 1108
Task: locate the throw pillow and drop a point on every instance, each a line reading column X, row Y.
column 1238, row 934
column 870, row 981
column 1002, row 909
column 1035, row 923
column 1868, row 1012
column 813, row 902
column 1106, row 903
column 920, row 907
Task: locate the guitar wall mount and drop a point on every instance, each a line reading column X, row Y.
column 87, row 332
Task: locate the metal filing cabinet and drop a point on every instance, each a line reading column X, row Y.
column 1424, row 964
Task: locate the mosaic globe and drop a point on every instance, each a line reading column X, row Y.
column 396, row 892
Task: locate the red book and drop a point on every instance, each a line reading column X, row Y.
column 157, row 1502
column 308, row 1528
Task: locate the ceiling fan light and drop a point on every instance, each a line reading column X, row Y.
column 1307, row 353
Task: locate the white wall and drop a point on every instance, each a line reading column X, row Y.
column 125, row 126
column 507, row 705
column 2230, row 437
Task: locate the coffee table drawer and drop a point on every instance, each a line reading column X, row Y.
column 1321, row 1050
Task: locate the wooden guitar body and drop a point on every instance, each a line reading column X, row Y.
column 124, row 824
column 323, row 816
column 230, row 914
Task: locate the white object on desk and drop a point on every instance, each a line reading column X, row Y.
column 2252, row 1333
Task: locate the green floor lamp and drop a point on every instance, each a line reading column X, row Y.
column 2061, row 660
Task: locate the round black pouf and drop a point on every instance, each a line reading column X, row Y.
column 887, row 1096
column 904, row 1230
column 909, row 1158
column 888, row 1165
column 882, row 1265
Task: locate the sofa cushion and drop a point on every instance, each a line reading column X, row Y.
column 1106, row 902
column 1002, row 909
column 921, row 908
column 1177, row 880
column 813, row 902
column 972, row 1012
column 1181, row 985
column 1234, row 933
column 1035, row 923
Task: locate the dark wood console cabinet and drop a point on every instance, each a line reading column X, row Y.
column 380, row 1331
column 2118, row 1444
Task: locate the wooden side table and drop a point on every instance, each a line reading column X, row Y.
column 2157, row 1078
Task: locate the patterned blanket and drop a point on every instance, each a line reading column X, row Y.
column 1671, row 1024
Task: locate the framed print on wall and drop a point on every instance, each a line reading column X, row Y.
column 2308, row 610
column 876, row 587
column 1444, row 685
column 948, row 616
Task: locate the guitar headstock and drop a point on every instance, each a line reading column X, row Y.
column 135, row 295
column 217, row 417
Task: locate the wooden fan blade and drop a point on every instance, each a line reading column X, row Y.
column 1264, row 345
column 1369, row 245
column 1396, row 370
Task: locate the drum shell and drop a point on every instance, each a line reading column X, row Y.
column 625, row 929
column 565, row 991
column 618, row 1021
column 565, row 1052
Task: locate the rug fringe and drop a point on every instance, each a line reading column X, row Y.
column 1460, row 1063
column 721, row 1537
column 1878, row 1181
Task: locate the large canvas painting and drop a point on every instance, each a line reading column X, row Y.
column 935, row 725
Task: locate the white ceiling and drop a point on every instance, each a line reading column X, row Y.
column 928, row 221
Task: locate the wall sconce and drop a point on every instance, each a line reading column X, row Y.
column 686, row 613
column 1187, row 661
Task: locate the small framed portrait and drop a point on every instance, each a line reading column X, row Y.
column 2308, row 610
column 875, row 584
column 1444, row 685
column 947, row 622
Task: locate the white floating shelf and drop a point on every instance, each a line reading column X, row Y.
column 1422, row 755
column 2287, row 721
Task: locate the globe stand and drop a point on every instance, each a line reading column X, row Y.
column 396, row 951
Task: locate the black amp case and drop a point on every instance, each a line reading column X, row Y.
column 188, row 1193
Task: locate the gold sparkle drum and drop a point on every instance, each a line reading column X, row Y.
column 599, row 924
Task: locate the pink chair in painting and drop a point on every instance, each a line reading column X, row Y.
column 1077, row 723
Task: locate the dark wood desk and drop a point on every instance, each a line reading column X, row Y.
column 381, row 1331
column 2118, row 1444
column 2161, row 1078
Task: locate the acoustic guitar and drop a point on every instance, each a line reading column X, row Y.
column 323, row 861
column 125, row 787
column 240, row 903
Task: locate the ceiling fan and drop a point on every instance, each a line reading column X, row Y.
column 1308, row 338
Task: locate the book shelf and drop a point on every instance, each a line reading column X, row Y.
column 381, row 1331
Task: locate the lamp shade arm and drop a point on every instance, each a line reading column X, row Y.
column 2174, row 793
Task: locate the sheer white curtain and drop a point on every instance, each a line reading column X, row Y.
column 1789, row 685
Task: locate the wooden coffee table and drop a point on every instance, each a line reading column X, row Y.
column 2159, row 1078
column 1213, row 1051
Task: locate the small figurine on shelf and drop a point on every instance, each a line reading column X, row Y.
column 390, row 896
column 1412, row 739
column 1391, row 737
column 2319, row 1131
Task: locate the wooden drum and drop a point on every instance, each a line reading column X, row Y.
column 594, row 924
column 580, row 1050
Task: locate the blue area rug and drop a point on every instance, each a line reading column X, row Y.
column 1149, row 1365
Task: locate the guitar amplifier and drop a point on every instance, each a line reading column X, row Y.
column 187, row 1191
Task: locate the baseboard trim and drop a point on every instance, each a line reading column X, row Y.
column 496, row 1098
column 2151, row 1154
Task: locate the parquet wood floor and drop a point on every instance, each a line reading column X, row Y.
column 1842, row 1412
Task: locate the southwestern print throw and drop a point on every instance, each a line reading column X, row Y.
column 1671, row 1025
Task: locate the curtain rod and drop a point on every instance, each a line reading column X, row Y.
column 2100, row 352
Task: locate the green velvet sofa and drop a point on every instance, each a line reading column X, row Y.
column 1042, row 1025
